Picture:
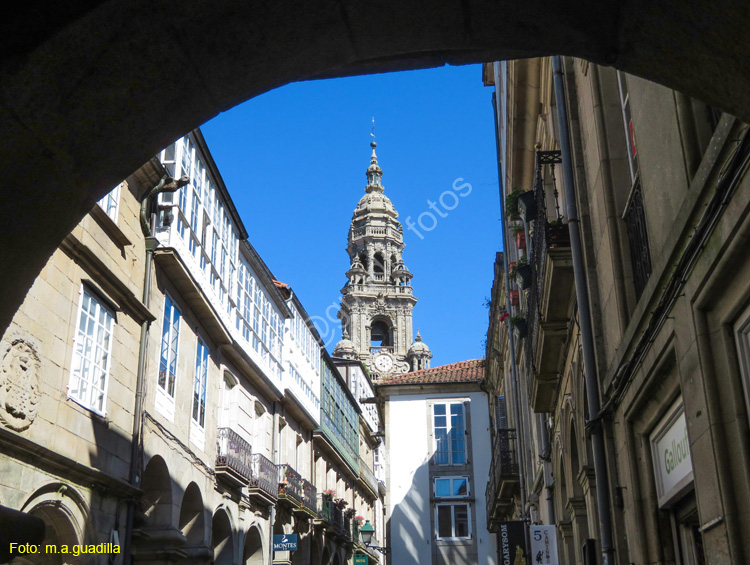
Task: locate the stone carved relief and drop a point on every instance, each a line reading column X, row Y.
column 20, row 393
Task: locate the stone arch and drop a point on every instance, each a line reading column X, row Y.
column 336, row 559
column 111, row 129
column 157, row 494
column 222, row 538
column 192, row 521
column 326, row 556
column 381, row 331
column 252, row 552
column 65, row 515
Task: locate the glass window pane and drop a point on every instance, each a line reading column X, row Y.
column 457, row 409
column 462, row 520
column 442, row 487
column 460, row 487
column 444, row 519
column 439, row 409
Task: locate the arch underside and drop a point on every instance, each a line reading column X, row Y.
column 88, row 94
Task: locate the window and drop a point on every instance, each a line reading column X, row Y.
column 91, row 353
column 450, row 433
column 453, row 521
column 199, row 384
column 451, row 487
column 170, row 337
column 111, row 203
column 634, row 215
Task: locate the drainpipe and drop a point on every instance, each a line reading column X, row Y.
column 584, row 311
column 166, row 184
column 508, row 307
column 275, row 460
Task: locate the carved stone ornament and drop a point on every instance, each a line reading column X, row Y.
column 20, row 393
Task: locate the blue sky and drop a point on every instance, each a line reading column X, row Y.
column 294, row 161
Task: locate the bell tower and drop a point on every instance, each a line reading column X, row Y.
column 376, row 308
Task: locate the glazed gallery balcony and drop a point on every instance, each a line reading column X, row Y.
column 552, row 290
column 504, row 477
column 236, row 463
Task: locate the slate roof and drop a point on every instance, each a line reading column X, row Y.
column 471, row 371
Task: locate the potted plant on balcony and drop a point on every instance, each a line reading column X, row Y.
column 514, row 297
column 328, row 494
column 522, row 273
column 340, row 503
column 520, row 326
column 511, row 203
column 520, row 234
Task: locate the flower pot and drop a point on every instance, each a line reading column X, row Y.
column 523, row 276
column 521, row 239
column 514, row 298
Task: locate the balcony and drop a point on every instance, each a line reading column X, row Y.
column 309, row 499
column 374, row 350
column 264, row 482
column 504, row 477
column 233, row 457
column 367, row 477
column 334, row 518
column 290, row 486
column 552, row 290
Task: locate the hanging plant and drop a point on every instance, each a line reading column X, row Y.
column 511, row 203
column 520, row 325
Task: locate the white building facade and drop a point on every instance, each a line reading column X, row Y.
column 437, row 470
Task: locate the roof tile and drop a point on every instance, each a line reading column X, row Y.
column 471, row 371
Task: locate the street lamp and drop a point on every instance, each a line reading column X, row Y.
column 365, row 532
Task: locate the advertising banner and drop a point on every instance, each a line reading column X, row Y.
column 543, row 545
column 511, row 540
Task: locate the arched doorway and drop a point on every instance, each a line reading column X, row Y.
column 192, row 519
column 60, row 531
column 222, row 539
column 252, row 553
column 157, row 494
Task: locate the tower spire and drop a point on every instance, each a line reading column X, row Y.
column 374, row 172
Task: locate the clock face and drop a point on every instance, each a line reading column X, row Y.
column 383, row 362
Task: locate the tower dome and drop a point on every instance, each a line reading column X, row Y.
column 419, row 354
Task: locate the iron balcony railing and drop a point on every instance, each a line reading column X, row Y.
column 309, row 495
column 549, row 230
column 234, row 453
column 290, row 483
column 504, row 462
column 325, row 508
column 265, row 475
column 368, row 475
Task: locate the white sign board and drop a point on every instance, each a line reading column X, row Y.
column 670, row 448
column 543, row 545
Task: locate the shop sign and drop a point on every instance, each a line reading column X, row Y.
column 361, row 559
column 511, row 538
column 543, row 545
column 670, row 448
column 285, row 542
